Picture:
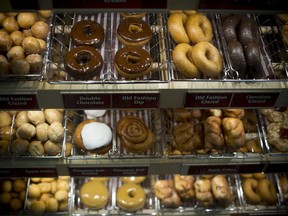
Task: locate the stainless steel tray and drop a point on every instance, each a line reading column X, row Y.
column 150, row 117
column 61, row 44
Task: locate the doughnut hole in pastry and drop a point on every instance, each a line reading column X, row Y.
column 130, row 197
column 207, row 59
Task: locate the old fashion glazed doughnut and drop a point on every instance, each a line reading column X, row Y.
column 83, row 62
column 267, row 191
column 182, row 58
column 207, row 58
column 199, row 28
column 250, row 188
column 134, row 32
column 130, row 197
column 87, row 32
column 133, row 62
column 176, row 27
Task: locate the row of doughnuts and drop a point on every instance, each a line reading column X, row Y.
column 23, row 41
column 207, row 190
column 213, row 130
column 243, row 41
column 130, row 196
column 202, row 57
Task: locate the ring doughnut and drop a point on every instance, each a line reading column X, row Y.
column 83, row 62
column 199, row 28
column 130, row 197
column 133, row 179
column 133, row 62
column 259, row 176
column 182, row 58
column 87, row 32
column 267, row 191
column 250, row 188
column 207, row 59
column 176, row 27
column 134, row 32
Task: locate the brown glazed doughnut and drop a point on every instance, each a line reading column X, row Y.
column 134, row 32
column 135, row 136
column 176, row 27
column 83, row 62
column 267, row 191
column 133, row 62
column 87, row 32
column 250, row 187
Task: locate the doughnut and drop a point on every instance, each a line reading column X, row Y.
column 87, row 33
column 253, row 58
column 250, row 189
column 259, row 176
column 207, row 59
column 130, row 197
column 133, row 179
column 83, row 62
column 40, row 30
column 52, row 148
column 248, row 32
column 138, row 15
column 267, row 191
column 133, row 62
column 94, row 194
column 10, row 24
column 184, row 186
column 94, row 136
column 199, row 28
column 134, row 32
column 237, row 58
column 5, row 41
column 230, row 27
column 165, row 191
column 176, row 27
column 182, row 58
column 4, row 64
column 17, row 37
column 134, row 135
column 221, row 190
column 31, row 45
column 26, row 19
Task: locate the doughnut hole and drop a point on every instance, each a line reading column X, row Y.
column 15, row 204
column 27, row 32
column 38, row 207
column 16, row 52
column 51, row 205
column 42, row 44
column 31, row 45
column 135, row 28
column 83, row 58
column 17, row 37
column 19, row 185
column 5, row 41
column 40, row 29
column 5, row 198
column 35, row 61
column 19, row 66
column 26, row 19
column 10, row 24
column 133, row 58
column 4, row 65
column 6, row 186
column 2, row 17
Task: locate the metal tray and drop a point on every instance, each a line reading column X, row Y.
column 111, row 208
column 111, row 117
column 61, row 44
column 251, row 134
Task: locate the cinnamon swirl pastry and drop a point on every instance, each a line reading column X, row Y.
column 135, row 136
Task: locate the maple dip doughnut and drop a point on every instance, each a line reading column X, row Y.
column 133, row 62
column 87, row 32
column 199, row 28
column 207, row 59
column 182, row 58
column 134, row 32
column 130, row 197
column 176, row 27
column 83, row 62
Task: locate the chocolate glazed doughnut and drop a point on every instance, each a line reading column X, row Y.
column 133, row 62
column 248, row 31
column 237, row 57
column 230, row 27
column 134, row 32
column 83, row 62
column 87, row 32
column 135, row 136
column 253, row 59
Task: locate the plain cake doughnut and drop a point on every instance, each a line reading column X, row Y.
column 207, row 59
column 176, row 27
column 182, row 58
column 130, row 197
column 199, row 28
column 250, row 188
column 267, row 191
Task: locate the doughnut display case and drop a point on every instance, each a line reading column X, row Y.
column 154, row 100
